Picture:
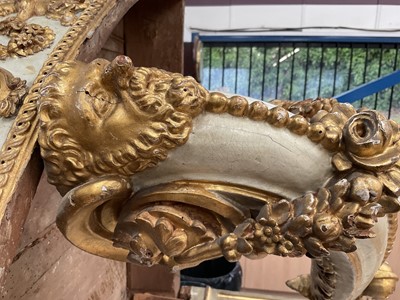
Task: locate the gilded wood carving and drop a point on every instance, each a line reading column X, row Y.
column 130, row 120
column 157, row 170
column 12, row 91
column 36, row 35
column 21, row 138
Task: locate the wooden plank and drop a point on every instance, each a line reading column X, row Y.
column 34, row 262
column 49, row 267
column 154, row 38
column 156, row 280
column 42, row 213
column 147, row 296
column 54, row 269
column 116, row 41
column 189, row 62
column 90, row 49
column 154, row 34
column 114, row 44
column 16, row 211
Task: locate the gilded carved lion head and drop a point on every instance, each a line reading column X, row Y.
column 112, row 118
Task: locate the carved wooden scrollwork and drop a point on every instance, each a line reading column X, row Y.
column 153, row 170
column 12, row 90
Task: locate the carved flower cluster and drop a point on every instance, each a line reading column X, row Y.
column 314, row 223
column 25, row 39
column 10, row 101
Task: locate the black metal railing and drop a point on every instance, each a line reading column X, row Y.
column 295, row 69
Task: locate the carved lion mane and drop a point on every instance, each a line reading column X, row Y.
column 165, row 103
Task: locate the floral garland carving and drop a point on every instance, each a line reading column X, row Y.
column 366, row 159
column 312, row 224
column 25, row 39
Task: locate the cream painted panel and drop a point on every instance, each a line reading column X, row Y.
column 388, row 17
column 5, row 125
column 215, row 17
column 360, row 16
column 223, row 148
column 265, row 16
column 272, row 16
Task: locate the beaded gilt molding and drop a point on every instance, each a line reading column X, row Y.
column 128, row 120
column 17, row 149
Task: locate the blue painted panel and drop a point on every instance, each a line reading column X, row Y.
column 370, row 88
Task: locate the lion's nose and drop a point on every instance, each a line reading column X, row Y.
column 122, row 61
column 118, row 71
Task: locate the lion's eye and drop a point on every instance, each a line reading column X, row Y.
column 188, row 90
column 102, row 105
column 101, row 95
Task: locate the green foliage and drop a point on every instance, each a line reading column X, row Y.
column 299, row 71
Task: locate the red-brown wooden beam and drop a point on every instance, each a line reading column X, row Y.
column 154, row 38
column 17, row 209
column 154, row 34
